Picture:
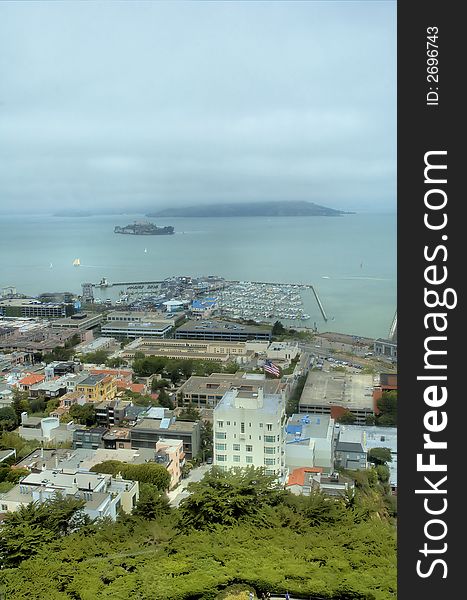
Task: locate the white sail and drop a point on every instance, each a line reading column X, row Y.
column 76, row 262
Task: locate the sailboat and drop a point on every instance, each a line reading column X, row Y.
column 51, row 266
column 145, row 250
column 76, row 262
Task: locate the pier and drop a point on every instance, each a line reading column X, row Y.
column 321, row 307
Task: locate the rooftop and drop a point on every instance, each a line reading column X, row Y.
column 177, row 426
column 223, row 327
column 343, row 389
column 301, row 428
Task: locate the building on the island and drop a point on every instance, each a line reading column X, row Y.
column 98, row 387
column 351, row 448
column 309, row 442
column 335, row 393
column 249, row 431
column 307, row 480
column 103, row 495
column 386, row 348
column 170, row 453
column 222, row 330
column 207, row 392
column 147, row 432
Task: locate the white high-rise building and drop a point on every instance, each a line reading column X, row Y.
column 249, row 431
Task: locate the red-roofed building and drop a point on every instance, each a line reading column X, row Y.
column 31, row 379
column 305, row 480
column 387, row 383
column 137, row 388
column 122, row 374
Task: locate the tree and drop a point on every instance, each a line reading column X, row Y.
column 83, row 413
column 115, row 363
column 20, row 403
column 379, row 456
column 387, row 405
column 8, row 419
column 347, row 418
column 228, row 498
column 206, row 439
column 159, row 384
column 278, row 329
column 164, row 400
column 189, row 413
column 98, row 357
column 153, row 473
column 26, row 530
column 152, row 504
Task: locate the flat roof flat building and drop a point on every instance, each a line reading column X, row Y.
column 222, row 330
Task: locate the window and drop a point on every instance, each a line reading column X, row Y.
column 249, row 448
column 242, row 427
column 261, row 425
column 236, row 458
column 270, row 472
column 4, row 507
column 249, row 424
column 236, row 447
column 220, row 424
column 221, row 446
column 220, row 435
column 268, row 450
column 269, row 426
column 121, row 445
column 249, row 459
column 269, row 461
column 228, row 423
column 221, row 457
column 270, row 438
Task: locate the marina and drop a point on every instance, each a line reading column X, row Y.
column 257, row 301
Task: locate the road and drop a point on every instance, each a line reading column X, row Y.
column 179, row 493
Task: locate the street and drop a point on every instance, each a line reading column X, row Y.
column 180, row 492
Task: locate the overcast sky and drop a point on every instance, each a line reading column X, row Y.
column 152, row 104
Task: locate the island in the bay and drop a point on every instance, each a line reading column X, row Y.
column 252, row 209
column 144, row 229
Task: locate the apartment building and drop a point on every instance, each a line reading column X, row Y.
column 249, row 431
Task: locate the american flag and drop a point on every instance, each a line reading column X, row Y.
column 270, row 367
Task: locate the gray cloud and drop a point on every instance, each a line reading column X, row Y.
column 151, row 104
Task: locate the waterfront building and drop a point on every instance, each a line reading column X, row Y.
column 79, row 322
column 223, row 330
column 31, row 307
column 249, row 431
column 219, row 351
column 385, row 348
